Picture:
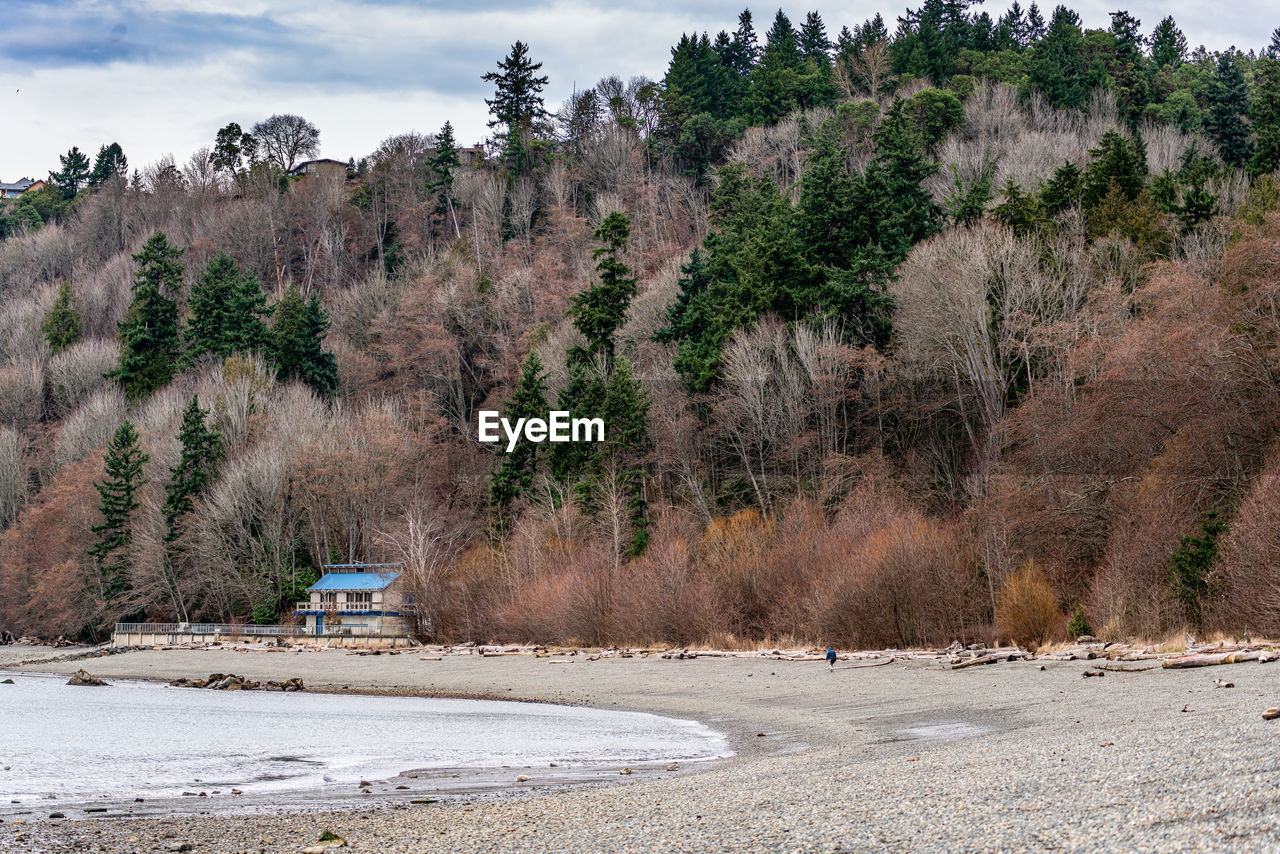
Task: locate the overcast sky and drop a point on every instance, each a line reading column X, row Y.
column 161, row 76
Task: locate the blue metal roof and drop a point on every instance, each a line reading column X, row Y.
column 355, row 581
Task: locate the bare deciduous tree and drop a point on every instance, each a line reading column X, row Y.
column 286, row 139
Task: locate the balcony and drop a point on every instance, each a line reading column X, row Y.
column 339, row 607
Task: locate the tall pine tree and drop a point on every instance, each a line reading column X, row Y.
column 776, row 81
column 516, row 105
column 1228, row 98
column 514, row 476
column 149, row 340
column 614, row 483
column 1264, row 112
column 444, row 163
column 1056, row 67
column 598, row 311
column 201, row 450
column 110, row 163
column 118, row 491
column 74, row 174
column 1168, row 45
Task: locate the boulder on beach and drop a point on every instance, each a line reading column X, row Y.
column 84, row 677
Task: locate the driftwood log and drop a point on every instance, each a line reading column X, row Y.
column 1202, row 659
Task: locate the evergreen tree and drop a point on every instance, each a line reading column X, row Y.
column 743, row 50
column 937, row 113
column 1168, row 45
column 226, row 312
column 776, row 81
column 829, row 197
column 1118, row 162
column 1128, row 67
column 818, row 81
column 73, row 175
column 582, row 397
column 1228, row 99
column 1056, row 67
column 109, row 163
column 149, row 341
column 201, row 451
column 1264, row 112
column 618, row 461
column 1190, row 565
column 1062, row 190
column 444, row 164
column 61, row 326
column 1035, row 24
column 599, row 311
column 1013, row 27
column 244, row 329
column 514, row 476
column 516, row 104
column 297, row 342
column 701, row 94
column 872, row 31
column 114, row 536
column 897, row 212
column 1018, row 211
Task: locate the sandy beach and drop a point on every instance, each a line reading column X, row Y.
column 908, row 757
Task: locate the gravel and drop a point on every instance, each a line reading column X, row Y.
column 909, row 757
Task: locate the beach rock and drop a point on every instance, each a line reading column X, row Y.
column 180, row 846
column 1271, row 714
column 673, row 767
column 56, row 815
column 523, row 778
column 84, row 677
column 6, row 681
column 625, row 771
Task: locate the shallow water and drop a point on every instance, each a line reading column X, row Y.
column 147, row 740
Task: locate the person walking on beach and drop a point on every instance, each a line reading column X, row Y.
column 831, row 658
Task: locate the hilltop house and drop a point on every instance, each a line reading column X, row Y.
column 17, row 188
column 324, row 168
column 357, row 599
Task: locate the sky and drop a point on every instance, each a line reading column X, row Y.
column 162, row 76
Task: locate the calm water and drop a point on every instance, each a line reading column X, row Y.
column 142, row 739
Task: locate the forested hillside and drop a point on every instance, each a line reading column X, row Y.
column 960, row 331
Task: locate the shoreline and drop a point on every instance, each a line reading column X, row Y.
column 904, row 757
column 410, row 786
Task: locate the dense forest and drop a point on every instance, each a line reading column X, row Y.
column 964, row 330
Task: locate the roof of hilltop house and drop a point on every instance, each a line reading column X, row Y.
column 20, row 184
column 355, row 581
column 311, row 165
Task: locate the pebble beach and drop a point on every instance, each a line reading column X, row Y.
column 909, row 756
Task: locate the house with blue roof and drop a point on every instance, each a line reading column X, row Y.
column 359, row 599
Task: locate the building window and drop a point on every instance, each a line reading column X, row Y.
column 360, row 599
